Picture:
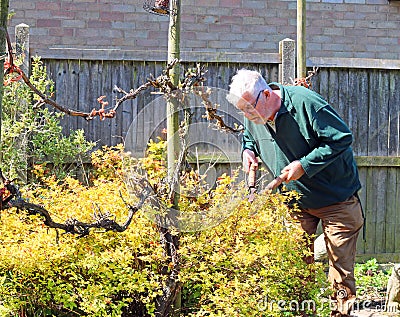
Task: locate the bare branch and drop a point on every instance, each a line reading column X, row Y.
column 306, row 82
column 211, row 112
column 11, row 197
column 193, row 77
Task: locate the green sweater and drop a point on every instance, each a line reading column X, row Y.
column 309, row 130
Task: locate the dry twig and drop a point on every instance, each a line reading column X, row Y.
column 11, row 197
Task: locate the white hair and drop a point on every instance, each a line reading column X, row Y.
column 245, row 80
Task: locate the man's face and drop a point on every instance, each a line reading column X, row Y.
column 251, row 107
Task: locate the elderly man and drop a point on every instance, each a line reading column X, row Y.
column 298, row 135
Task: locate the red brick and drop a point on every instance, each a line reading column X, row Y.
column 46, row 6
column 154, row 35
column 220, row 28
column 63, row 14
column 61, row 32
column 47, row 23
column 242, row 12
column 147, row 43
column 98, row 41
column 230, row 20
column 188, row 18
column 207, row 3
column 88, row 33
column 230, row 3
column 112, row 16
column 70, row 6
column 99, row 24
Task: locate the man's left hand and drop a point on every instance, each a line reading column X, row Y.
column 293, row 171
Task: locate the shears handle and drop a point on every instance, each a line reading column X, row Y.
column 251, row 181
column 277, row 181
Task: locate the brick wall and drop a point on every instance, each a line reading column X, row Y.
column 344, row 29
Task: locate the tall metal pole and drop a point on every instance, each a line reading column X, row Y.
column 301, row 39
column 172, row 106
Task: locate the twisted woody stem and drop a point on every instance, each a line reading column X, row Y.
column 11, row 198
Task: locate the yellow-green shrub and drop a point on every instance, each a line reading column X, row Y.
column 237, row 268
column 98, row 275
column 245, row 266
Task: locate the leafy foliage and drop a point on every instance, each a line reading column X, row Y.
column 247, row 265
column 107, row 162
column 32, row 134
column 44, row 273
column 241, row 267
column 371, row 280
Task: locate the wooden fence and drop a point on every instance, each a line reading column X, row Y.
column 367, row 99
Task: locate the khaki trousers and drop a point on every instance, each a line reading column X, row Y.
column 341, row 225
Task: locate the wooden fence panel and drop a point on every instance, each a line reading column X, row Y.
column 357, row 108
column 392, row 209
column 394, row 111
column 368, row 100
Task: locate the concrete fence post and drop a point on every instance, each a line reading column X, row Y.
column 22, row 46
column 22, row 51
column 287, row 68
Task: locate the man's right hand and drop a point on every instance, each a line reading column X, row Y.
column 248, row 158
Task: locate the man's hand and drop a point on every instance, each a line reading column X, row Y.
column 293, row 171
column 248, row 158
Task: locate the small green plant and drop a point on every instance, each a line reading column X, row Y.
column 31, row 133
column 371, row 280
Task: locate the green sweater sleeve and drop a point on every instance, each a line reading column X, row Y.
column 249, row 143
column 334, row 138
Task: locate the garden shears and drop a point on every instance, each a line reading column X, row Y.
column 251, row 182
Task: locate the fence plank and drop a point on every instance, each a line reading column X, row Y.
column 396, row 202
column 377, row 133
column 361, row 242
column 370, row 211
column 394, row 112
column 392, row 209
column 84, row 104
column 382, row 90
column 358, row 109
column 333, row 91
column 324, row 83
column 380, row 208
column 96, row 87
column 61, row 88
column 129, row 107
